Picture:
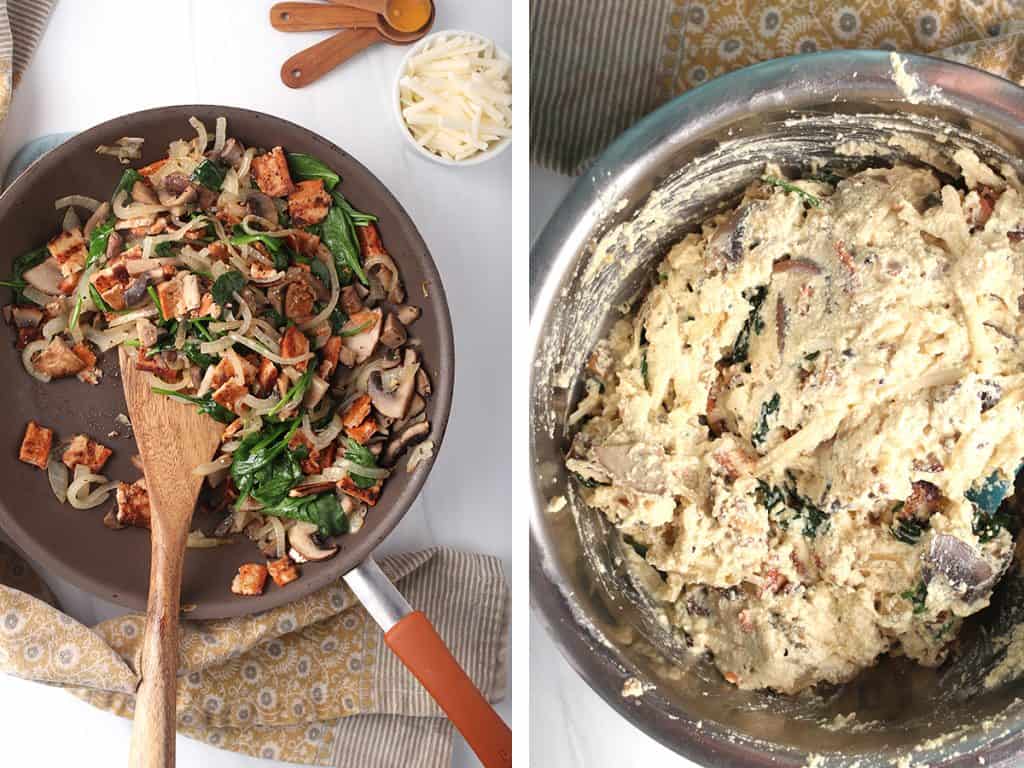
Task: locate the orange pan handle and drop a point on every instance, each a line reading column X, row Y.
column 415, row 641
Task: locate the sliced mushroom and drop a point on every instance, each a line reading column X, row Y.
column 175, row 183
column 727, row 241
column 363, row 344
column 232, row 152
column 147, row 332
column 26, row 317
column 393, row 396
column 411, row 434
column 263, row 206
column 114, row 243
column 136, row 290
column 408, row 314
column 188, row 195
column 422, row 383
column 100, row 215
column 143, row 193
column 964, row 568
column 351, row 301
column 317, row 389
column 304, row 545
column 45, row 276
column 393, row 334
column 636, row 465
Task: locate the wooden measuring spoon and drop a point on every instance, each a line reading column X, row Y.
column 173, row 438
column 314, row 17
column 403, row 15
column 314, row 62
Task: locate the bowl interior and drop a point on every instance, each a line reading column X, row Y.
column 75, row 544
column 597, row 610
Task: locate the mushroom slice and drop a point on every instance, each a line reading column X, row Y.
column 967, row 572
column 101, row 214
column 262, row 205
column 143, row 193
column 422, row 383
column 317, row 389
column 45, row 276
column 636, row 465
column 393, row 396
column 363, row 343
column 408, row 314
column 26, row 317
column 411, row 434
column 393, row 334
column 304, row 545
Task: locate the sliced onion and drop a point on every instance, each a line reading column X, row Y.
column 207, row 382
column 202, row 137
column 179, row 149
column 36, row 296
column 260, row 406
column 131, row 317
column 79, row 494
column 221, row 462
column 31, row 350
column 220, row 133
column 81, row 201
column 230, row 182
column 175, row 386
column 352, row 468
column 256, row 347
column 325, row 437
column 246, row 164
column 54, row 325
column 243, row 306
column 135, row 210
column 324, row 314
column 110, row 338
column 199, row 540
column 216, row 347
column 58, row 475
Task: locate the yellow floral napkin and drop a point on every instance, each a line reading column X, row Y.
column 598, row 66
column 311, row 682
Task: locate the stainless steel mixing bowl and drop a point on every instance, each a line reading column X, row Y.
column 696, row 154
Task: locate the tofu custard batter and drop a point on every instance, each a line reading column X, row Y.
column 806, row 428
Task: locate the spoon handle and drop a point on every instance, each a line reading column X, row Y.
column 310, row 65
column 312, row 17
column 152, row 744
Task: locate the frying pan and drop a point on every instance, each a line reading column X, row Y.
column 114, row 565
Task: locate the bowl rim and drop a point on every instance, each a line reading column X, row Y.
column 442, row 372
column 396, row 102
column 582, row 216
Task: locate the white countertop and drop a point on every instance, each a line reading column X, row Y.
column 570, row 725
column 102, row 58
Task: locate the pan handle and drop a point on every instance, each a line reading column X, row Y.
column 410, row 635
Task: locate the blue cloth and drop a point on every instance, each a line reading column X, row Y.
column 31, row 152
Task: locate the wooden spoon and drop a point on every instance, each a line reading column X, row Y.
column 403, row 15
column 173, row 438
column 314, row 62
column 315, row 17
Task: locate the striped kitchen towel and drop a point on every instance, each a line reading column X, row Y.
column 22, row 23
column 598, row 66
column 310, row 682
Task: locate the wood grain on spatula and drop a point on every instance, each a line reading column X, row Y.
column 173, row 438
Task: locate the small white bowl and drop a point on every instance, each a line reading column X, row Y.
column 480, row 157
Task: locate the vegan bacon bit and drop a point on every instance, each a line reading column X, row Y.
column 844, row 256
column 35, row 445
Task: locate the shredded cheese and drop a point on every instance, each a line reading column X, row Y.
column 456, row 97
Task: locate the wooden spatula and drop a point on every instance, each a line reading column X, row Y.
column 173, row 438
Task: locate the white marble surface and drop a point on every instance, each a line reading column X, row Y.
column 570, row 725
column 102, row 58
